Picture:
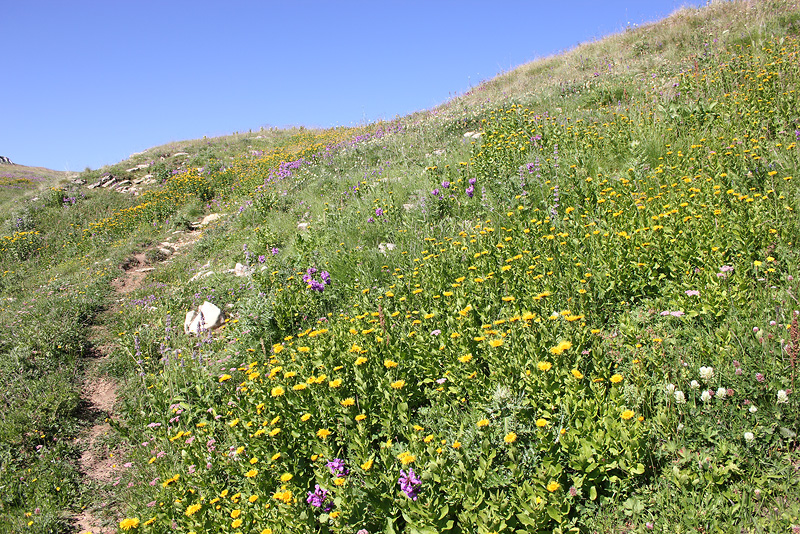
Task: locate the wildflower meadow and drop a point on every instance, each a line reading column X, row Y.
column 569, row 306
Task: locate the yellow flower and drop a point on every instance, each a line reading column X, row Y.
column 252, row 498
column 360, row 417
column 544, row 366
column 389, row 364
column 577, row 374
column 338, row 481
column 286, row 477
column 482, row 423
column 553, row 486
column 334, row 515
column 192, row 509
column 284, row 496
column 561, row 347
column 398, row 384
column 361, row 360
column 305, row 417
column 347, row 402
column 541, row 423
column 303, row 349
column 223, row 378
column 616, row 379
column 236, row 513
column 266, row 531
column 496, row 342
column 236, row 523
column 277, row 391
column 129, row 523
column 511, row 437
column 456, row 444
column 627, row 414
column 299, row 387
column 251, row 473
column 406, row 458
column 465, row 358
column 366, row 466
column 335, row 383
column 323, row 433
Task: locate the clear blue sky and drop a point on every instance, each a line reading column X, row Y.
column 87, row 83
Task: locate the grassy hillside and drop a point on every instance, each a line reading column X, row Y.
column 565, row 301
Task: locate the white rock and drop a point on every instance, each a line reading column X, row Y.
column 241, row 270
column 208, row 317
column 165, row 251
column 302, row 227
column 180, row 154
column 208, row 219
column 190, row 315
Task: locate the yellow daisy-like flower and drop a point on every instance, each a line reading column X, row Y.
column 266, row 531
column 398, row 384
column 627, row 414
column 335, row 383
column 366, row 466
column 334, row 515
column 192, row 509
column 561, row 347
column 252, row 498
column 541, row 423
column 339, row 481
column 361, row 360
column 577, row 374
column 347, row 402
column 303, row 349
column 286, row 477
column 360, row 417
column 236, row 523
column 389, row 364
column 323, row 433
column 299, row 387
column 496, row 342
column 129, row 523
column 456, row 444
column 274, row 432
column 511, row 437
column 616, row 379
column 482, row 423
column 236, row 513
column 277, row 391
column 465, row 358
column 544, row 366
column 406, row 458
column 553, row 486
column 251, row 473
column 305, row 417
column 223, row 378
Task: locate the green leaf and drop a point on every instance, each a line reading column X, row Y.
column 593, row 493
column 554, row 513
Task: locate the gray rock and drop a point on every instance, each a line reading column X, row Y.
column 207, row 317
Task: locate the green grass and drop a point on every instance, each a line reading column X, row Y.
column 538, row 351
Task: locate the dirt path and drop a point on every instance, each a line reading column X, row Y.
column 99, row 462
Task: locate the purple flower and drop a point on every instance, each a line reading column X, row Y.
column 472, row 181
column 759, row 377
column 378, row 212
column 318, row 497
column 435, row 192
column 445, row 184
column 262, row 259
column 470, row 191
column 408, row 484
column 370, row 220
column 338, row 468
column 275, row 251
column 692, row 293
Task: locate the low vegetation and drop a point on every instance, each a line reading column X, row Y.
column 564, row 302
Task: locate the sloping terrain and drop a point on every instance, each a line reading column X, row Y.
column 565, row 301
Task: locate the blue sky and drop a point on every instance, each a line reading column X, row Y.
column 87, row 83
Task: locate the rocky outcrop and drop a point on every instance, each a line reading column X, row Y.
column 5, row 161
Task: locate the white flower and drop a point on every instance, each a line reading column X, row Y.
column 680, row 427
column 706, row 373
column 722, row 393
column 670, row 389
column 748, row 437
column 694, row 384
column 782, row 397
column 706, row 396
column 680, row 398
column 753, row 409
